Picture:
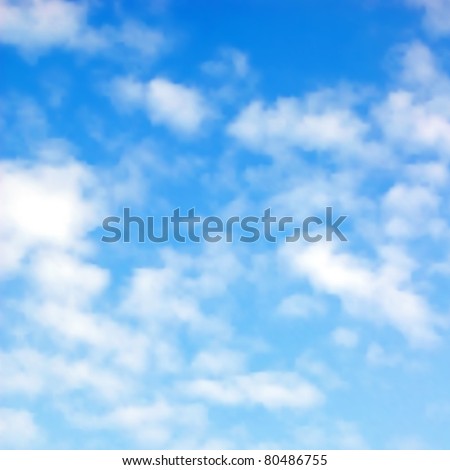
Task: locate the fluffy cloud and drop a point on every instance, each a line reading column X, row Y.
column 35, row 26
column 18, row 429
column 380, row 292
column 174, row 293
column 62, row 295
column 412, row 211
column 179, row 107
column 414, row 117
column 312, row 124
column 268, row 389
column 45, row 205
column 414, row 126
column 155, row 425
column 39, row 24
column 31, row 373
column 66, row 278
column 437, row 15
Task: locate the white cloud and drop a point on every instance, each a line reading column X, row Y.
column 412, row 211
column 39, row 24
column 173, row 294
column 345, row 338
column 45, row 205
column 156, row 425
column 413, row 126
column 317, row 123
column 382, row 294
column 31, row 373
column 414, row 117
column 68, row 326
column 418, row 65
column 437, row 15
column 62, row 292
column 433, row 174
column 35, row 26
column 269, row 389
column 66, row 278
column 179, row 107
column 154, row 293
column 18, row 429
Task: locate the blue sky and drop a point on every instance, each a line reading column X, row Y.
column 229, row 107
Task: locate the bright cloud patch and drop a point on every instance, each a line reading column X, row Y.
column 35, row 26
column 17, row 429
column 378, row 292
column 271, row 390
column 290, row 123
column 45, row 206
column 183, row 109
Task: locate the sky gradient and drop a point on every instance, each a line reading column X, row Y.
column 231, row 108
